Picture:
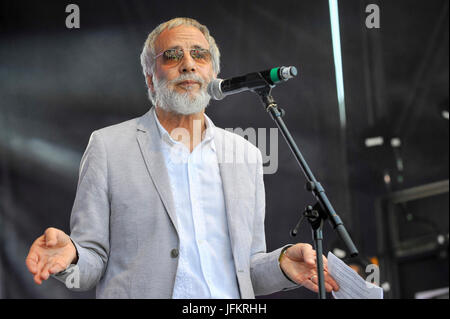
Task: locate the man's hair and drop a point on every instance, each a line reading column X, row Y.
column 148, row 53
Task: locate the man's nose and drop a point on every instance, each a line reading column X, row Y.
column 187, row 63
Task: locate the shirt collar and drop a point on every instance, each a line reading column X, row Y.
column 208, row 134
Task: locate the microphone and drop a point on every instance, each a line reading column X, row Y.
column 219, row 88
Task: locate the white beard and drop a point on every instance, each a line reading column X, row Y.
column 180, row 103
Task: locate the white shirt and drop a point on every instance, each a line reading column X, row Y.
column 205, row 266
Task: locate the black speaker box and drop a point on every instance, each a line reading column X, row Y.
column 412, row 230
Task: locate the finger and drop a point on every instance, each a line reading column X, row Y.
column 37, row 276
column 325, row 268
column 31, row 261
column 325, row 262
column 45, row 271
column 328, row 286
column 33, row 256
column 58, row 266
column 330, row 280
column 310, row 285
column 308, row 254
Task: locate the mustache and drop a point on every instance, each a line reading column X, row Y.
column 188, row 77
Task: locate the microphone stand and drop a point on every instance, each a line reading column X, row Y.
column 322, row 209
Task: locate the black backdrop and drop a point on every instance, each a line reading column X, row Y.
column 57, row 85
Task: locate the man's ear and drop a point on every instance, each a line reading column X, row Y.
column 149, row 81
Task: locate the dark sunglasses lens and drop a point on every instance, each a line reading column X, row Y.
column 201, row 55
column 172, row 56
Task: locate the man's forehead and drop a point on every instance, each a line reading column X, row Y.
column 181, row 36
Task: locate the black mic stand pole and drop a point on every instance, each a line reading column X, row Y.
column 323, row 208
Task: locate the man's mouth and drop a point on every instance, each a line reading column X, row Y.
column 188, row 83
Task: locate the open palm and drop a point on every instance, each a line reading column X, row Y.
column 50, row 253
column 300, row 266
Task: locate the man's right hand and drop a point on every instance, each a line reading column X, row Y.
column 51, row 253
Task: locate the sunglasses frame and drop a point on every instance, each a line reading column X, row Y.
column 190, row 52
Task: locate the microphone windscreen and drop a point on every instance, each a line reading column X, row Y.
column 214, row 89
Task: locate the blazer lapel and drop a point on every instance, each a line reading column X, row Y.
column 228, row 169
column 148, row 138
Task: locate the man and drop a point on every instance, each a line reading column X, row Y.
column 159, row 211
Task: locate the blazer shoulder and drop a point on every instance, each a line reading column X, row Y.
column 119, row 132
column 119, row 128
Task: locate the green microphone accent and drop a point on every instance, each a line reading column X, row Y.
column 274, row 75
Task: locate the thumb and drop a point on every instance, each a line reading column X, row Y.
column 53, row 236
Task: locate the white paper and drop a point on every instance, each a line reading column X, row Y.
column 351, row 285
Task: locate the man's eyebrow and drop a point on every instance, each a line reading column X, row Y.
column 174, row 47
column 196, row 46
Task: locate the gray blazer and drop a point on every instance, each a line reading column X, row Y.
column 123, row 221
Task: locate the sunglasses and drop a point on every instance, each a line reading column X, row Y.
column 172, row 57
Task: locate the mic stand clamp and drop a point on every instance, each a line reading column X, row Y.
column 315, row 216
column 268, row 101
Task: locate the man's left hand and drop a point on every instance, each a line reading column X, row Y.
column 299, row 263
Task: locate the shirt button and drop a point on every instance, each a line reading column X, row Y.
column 174, row 253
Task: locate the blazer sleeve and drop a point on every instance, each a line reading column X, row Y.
column 89, row 221
column 265, row 271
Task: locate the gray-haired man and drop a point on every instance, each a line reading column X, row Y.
column 159, row 211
